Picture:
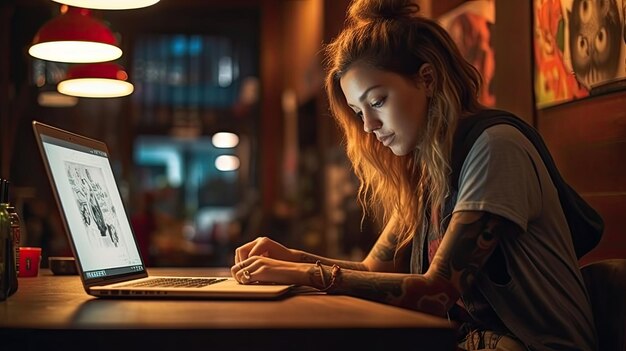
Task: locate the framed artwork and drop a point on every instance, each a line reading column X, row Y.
column 471, row 25
column 579, row 49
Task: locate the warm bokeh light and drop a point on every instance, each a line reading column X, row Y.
column 225, row 140
column 226, row 163
column 95, row 87
column 55, row 99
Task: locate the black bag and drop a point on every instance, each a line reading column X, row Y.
column 586, row 225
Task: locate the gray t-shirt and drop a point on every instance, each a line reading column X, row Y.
column 544, row 301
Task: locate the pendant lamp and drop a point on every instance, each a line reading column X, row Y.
column 96, row 80
column 109, row 4
column 75, row 37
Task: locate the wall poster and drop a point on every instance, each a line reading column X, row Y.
column 471, row 25
column 579, row 49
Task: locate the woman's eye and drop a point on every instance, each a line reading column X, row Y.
column 359, row 114
column 377, row 103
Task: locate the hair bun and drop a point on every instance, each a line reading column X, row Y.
column 361, row 11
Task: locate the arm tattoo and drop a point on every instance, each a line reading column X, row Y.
column 470, row 239
column 315, row 280
column 403, row 290
column 385, row 249
column 306, row 257
column 475, row 237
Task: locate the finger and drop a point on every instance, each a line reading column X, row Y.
column 249, row 271
column 237, row 267
column 233, row 273
column 234, row 269
column 260, row 248
column 241, row 253
column 237, row 255
column 244, row 276
column 253, row 246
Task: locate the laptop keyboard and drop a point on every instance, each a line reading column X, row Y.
column 174, row 283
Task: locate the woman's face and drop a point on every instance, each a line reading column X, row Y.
column 391, row 106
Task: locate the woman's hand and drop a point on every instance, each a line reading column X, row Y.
column 260, row 269
column 266, row 247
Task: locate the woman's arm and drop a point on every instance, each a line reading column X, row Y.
column 380, row 258
column 469, row 241
column 306, row 257
column 266, row 247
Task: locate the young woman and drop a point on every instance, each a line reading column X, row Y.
column 501, row 262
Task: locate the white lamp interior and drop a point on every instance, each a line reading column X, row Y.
column 75, row 51
column 109, row 4
column 95, row 87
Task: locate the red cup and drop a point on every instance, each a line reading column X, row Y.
column 30, row 257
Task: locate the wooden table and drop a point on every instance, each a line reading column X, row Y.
column 54, row 312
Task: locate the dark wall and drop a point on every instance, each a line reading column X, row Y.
column 588, row 141
column 587, row 138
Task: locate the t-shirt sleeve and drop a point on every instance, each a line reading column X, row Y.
column 498, row 176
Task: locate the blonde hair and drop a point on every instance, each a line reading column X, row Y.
column 388, row 35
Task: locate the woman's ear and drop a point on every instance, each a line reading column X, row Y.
column 427, row 77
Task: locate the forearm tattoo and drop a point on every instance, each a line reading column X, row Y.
column 468, row 242
column 306, row 257
column 315, row 279
column 384, row 249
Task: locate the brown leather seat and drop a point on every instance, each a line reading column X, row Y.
column 606, row 284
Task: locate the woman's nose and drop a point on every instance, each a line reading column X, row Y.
column 370, row 122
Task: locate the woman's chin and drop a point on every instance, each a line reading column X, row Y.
column 398, row 151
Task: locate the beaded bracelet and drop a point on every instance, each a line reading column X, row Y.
column 333, row 275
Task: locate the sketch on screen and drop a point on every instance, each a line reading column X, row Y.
column 95, row 206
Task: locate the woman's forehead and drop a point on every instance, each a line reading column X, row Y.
column 364, row 74
column 360, row 77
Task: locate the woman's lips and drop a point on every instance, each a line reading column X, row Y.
column 387, row 139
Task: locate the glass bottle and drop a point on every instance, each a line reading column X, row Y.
column 15, row 241
column 5, row 232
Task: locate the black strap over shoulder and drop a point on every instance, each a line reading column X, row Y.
column 586, row 225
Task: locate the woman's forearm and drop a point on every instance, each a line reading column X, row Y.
column 470, row 239
column 426, row 293
column 306, row 257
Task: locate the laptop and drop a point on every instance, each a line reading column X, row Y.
column 107, row 255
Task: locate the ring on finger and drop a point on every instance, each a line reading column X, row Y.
column 246, row 274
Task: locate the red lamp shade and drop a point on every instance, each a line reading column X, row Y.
column 75, row 37
column 96, row 80
column 109, row 4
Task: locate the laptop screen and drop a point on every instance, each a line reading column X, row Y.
column 93, row 209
